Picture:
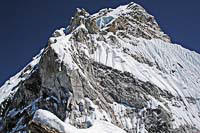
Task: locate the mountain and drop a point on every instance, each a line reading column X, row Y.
column 114, row 71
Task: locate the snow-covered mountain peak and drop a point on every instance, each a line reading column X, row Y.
column 131, row 19
column 114, row 70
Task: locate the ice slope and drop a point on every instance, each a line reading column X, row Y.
column 183, row 82
column 168, row 57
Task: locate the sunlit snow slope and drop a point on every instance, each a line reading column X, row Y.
column 126, row 39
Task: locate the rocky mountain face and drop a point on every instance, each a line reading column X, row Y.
column 114, row 71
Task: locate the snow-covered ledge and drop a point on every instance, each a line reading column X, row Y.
column 45, row 121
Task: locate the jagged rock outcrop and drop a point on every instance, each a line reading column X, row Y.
column 115, row 71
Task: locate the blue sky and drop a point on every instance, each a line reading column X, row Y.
column 26, row 25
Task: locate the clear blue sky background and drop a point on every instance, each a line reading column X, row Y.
column 25, row 25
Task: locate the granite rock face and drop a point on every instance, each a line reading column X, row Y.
column 115, row 66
